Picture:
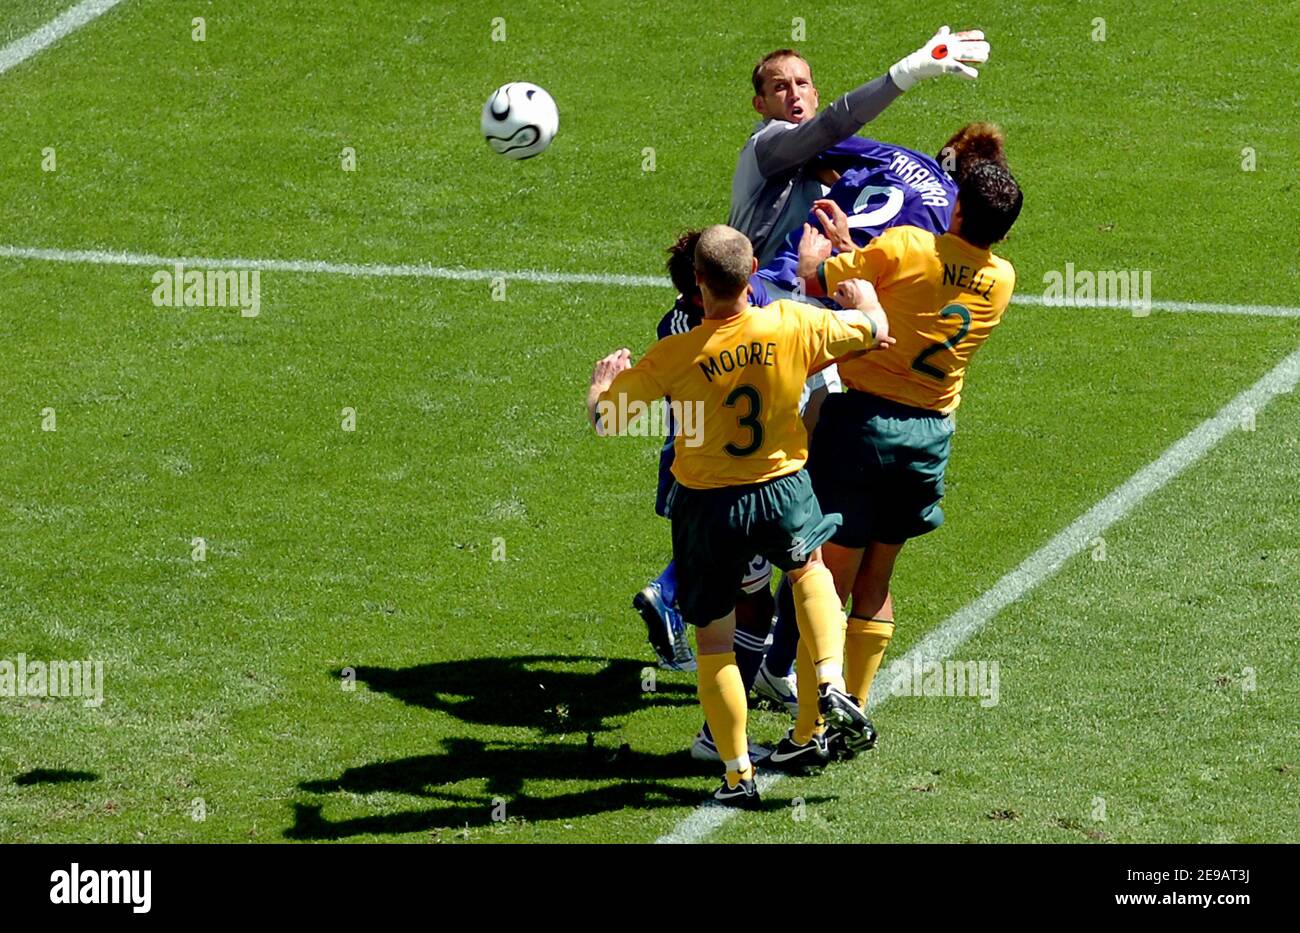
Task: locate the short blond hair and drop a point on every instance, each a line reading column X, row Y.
column 724, row 260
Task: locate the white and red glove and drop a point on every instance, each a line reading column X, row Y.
column 945, row 53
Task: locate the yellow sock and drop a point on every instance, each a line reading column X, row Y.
column 722, row 694
column 864, row 648
column 809, row 721
column 820, row 616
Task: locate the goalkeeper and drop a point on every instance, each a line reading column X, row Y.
column 780, row 171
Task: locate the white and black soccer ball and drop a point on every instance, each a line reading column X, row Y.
column 519, row 120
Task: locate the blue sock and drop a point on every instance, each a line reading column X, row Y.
column 668, row 583
column 785, row 636
column 749, row 655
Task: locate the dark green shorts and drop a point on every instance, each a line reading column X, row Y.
column 717, row 532
column 880, row 465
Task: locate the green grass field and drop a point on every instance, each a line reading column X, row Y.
column 1150, row 696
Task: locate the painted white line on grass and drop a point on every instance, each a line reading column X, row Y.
column 542, row 277
column 1047, row 560
column 362, row 270
column 18, row 51
column 1203, row 307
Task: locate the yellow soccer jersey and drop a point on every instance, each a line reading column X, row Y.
column 743, row 375
column 943, row 297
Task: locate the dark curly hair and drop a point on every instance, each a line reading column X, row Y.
column 681, row 263
column 990, row 202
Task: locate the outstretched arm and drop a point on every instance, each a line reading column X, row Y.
column 782, row 149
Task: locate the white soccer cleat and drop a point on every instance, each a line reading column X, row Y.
column 780, row 690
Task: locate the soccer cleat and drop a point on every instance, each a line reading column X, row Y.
column 683, row 656
column 841, row 712
column 704, row 749
column 665, row 629
column 836, row 748
column 797, row 759
column 779, row 690
column 743, row 796
column 870, row 739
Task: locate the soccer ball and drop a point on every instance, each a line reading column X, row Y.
column 519, row 120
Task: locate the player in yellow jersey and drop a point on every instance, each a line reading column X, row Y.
column 740, row 488
column 879, row 452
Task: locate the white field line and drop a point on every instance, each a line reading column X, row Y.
column 360, row 270
column 941, row 642
column 18, row 51
column 1204, row 307
column 425, row 271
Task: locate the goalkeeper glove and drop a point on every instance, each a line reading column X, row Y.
column 945, row 53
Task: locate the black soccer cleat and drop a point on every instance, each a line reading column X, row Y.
column 744, row 796
column 665, row 630
column 842, row 713
column 797, row 759
column 838, row 750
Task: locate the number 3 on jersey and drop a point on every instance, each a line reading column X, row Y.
column 749, row 420
column 920, row 365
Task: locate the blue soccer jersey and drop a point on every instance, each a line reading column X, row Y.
column 881, row 186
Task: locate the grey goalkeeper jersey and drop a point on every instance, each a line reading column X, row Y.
column 770, row 192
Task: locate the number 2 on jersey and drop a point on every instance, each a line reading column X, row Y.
column 934, row 372
column 749, row 421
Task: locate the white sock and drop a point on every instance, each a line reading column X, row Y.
column 740, row 764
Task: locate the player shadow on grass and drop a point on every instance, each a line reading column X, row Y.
column 642, row 782
column 549, row 693
column 54, row 776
